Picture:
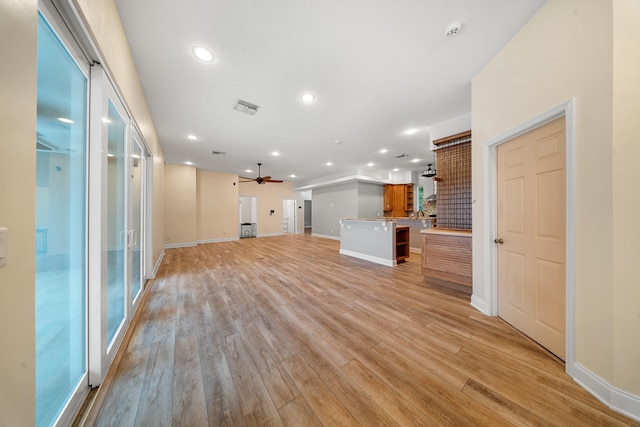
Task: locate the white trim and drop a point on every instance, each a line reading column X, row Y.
column 415, row 250
column 479, row 304
column 616, row 399
column 490, row 305
column 180, row 245
column 157, row 265
column 270, row 235
column 325, row 236
column 343, row 180
column 222, row 239
column 371, row 258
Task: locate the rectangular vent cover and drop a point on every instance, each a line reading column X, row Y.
column 246, row 107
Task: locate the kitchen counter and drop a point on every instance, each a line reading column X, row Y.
column 446, row 232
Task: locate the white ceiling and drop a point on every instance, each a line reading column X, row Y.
column 376, row 67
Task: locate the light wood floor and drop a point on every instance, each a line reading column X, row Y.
column 285, row 331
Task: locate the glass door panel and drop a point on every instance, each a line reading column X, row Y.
column 137, row 169
column 116, row 241
column 61, row 211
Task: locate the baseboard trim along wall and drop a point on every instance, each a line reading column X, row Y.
column 616, row 399
column 180, row 245
column 223, row 239
column 270, row 234
column 157, row 266
column 377, row 260
column 325, row 236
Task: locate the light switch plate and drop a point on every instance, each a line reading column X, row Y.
column 4, row 232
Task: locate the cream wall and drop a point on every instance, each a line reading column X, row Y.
column 103, row 21
column 180, row 205
column 217, row 206
column 18, row 47
column 567, row 50
column 626, row 195
column 270, row 196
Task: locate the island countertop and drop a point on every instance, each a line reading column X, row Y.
column 447, row 232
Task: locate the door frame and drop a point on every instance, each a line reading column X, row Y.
column 567, row 110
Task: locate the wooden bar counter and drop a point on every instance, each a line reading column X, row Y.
column 446, row 257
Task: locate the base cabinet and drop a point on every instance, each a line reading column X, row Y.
column 403, row 248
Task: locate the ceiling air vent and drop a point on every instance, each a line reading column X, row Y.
column 246, row 107
column 399, row 156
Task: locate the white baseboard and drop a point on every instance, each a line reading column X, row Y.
column 325, row 236
column 222, row 239
column 479, row 304
column 415, row 250
column 270, row 234
column 377, row 260
column 180, row 245
column 616, row 399
column 157, row 266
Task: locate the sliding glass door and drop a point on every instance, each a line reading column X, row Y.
column 61, row 232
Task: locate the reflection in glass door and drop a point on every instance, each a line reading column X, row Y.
column 116, row 224
column 61, row 211
column 136, row 211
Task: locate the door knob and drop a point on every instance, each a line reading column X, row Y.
column 499, row 240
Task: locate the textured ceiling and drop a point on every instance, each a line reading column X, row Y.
column 376, row 67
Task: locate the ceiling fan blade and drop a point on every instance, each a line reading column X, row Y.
column 274, row 180
column 244, row 177
column 266, row 178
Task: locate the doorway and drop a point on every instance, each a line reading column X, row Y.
column 531, row 234
column 248, row 215
column 289, row 216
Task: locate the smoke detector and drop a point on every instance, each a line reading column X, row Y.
column 246, row 107
column 453, row 29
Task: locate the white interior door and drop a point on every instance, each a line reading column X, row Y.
column 531, row 205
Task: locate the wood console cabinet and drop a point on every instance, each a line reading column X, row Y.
column 397, row 200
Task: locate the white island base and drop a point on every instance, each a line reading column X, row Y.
column 374, row 240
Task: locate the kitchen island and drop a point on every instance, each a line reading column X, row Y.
column 378, row 240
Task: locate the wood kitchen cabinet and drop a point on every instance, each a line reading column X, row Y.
column 397, row 200
column 387, row 198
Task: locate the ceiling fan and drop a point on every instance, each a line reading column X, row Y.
column 259, row 179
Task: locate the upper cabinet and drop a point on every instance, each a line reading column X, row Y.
column 398, row 200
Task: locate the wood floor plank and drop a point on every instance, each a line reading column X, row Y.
column 286, row 331
column 189, row 408
column 324, row 403
column 120, row 409
column 256, row 403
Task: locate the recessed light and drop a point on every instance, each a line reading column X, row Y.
column 292, row 176
column 65, row 120
column 370, row 164
column 248, row 170
column 275, row 153
column 329, row 164
column 308, row 98
column 188, row 163
column 411, row 131
column 338, row 142
column 415, row 160
column 192, row 137
column 396, row 169
column 203, row 54
column 384, row 150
